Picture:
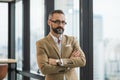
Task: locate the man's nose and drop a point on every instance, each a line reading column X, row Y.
column 61, row 24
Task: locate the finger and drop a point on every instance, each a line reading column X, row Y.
column 74, row 52
column 77, row 54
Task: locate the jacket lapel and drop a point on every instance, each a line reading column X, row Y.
column 52, row 43
column 63, row 46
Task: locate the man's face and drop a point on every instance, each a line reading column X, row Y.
column 57, row 23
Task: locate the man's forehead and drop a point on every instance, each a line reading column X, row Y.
column 58, row 16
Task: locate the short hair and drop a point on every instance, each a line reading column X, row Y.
column 55, row 11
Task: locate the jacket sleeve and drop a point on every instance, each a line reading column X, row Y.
column 42, row 60
column 76, row 61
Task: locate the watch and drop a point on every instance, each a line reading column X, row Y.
column 58, row 62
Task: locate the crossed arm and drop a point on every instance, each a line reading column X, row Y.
column 74, row 55
column 49, row 65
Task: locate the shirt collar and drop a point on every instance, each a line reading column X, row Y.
column 55, row 38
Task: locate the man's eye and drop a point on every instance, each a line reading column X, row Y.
column 57, row 21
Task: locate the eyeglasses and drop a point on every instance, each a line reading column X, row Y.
column 58, row 22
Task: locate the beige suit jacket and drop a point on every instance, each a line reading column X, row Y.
column 46, row 48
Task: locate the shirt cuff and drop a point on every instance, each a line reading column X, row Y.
column 62, row 64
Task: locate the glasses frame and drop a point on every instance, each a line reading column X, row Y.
column 58, row 22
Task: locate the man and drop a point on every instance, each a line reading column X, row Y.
column 58, row 55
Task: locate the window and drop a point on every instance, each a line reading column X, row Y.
column 3, row 30
column 106, row 39
column 36, row 30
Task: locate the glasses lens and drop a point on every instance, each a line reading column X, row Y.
column 58, row 22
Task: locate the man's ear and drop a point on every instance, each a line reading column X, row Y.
column 49, row 22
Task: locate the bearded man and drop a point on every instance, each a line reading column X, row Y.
column 57, row 54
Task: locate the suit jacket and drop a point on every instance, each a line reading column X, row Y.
column 46, row 48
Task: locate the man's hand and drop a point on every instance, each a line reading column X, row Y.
column 52, row 61
column 75, row 53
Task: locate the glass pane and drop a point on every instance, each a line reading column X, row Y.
column 3, row 30
column 19, row 77
column 71, row 10
column 18, row 34
column 36, row 29
column 106, row 39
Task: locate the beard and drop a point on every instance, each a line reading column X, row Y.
column 58, row 30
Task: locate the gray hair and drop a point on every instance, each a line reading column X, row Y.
column 55, row 11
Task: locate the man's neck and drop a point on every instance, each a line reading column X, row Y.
column 56, row 35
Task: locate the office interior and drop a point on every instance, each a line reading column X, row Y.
column 95, row 24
